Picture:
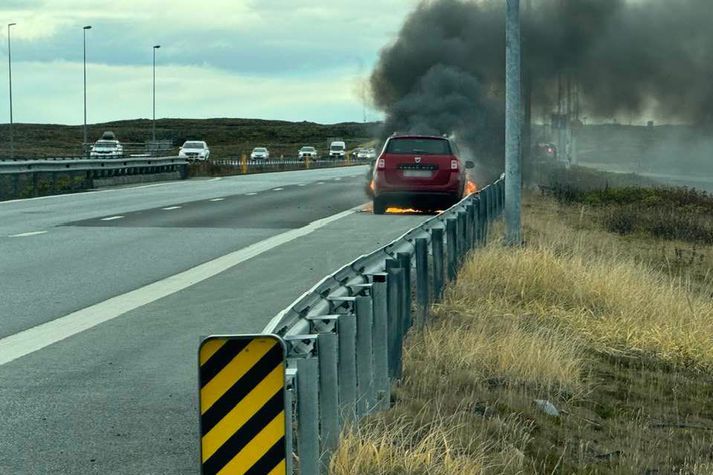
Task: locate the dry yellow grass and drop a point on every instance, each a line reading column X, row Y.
column 487, row 347
column 440, row 445
column 588, row 320
column 618, row 304
column 376, row 450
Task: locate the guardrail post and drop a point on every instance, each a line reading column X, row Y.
column 493, row 203
column 476, row 222
column 380, row 333
column 501, row 187
column 438, row 262
column 461, row 220
column 405, row 263
column 480, row 214
column 469, row 226
column 485, row 209
column 451, row 247
column 365, row 376
column 327, row 347
column 290, row 382
column 347, row 327
column 394, row 287
column 308, row 414
column 456, row 218
column 422, row 294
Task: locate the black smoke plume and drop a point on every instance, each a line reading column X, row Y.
column 445, row 71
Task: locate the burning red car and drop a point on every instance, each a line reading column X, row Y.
column 420, row 172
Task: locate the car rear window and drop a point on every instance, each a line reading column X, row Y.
column 418, row 146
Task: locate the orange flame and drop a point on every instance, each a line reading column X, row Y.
column 402, row 211
column 471, row 187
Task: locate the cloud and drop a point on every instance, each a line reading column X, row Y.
column 124, row 92
column 298, row 44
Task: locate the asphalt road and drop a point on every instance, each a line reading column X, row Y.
column 106, row 294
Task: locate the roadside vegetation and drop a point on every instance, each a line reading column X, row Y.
column 226, row 137
column 588, row 350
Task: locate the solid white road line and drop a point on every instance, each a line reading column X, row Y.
column 217, row 199
column 171, row 208
column 33, row 233
column 112, row 218
column 39, row 337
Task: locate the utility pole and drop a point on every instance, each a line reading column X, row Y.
column 153, row 127
column 84, row 32
column 513, row 124
column 9, row 75
column 527, row 91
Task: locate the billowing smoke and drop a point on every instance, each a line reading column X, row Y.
column 445, row 71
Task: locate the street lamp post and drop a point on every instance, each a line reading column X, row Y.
column 153, row 129
column 9, row 75
column 84, row 32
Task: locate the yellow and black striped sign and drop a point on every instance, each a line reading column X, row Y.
column 242, row 405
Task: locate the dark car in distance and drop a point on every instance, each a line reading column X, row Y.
column 418, row 172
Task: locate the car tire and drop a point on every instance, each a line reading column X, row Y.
column 379, row 206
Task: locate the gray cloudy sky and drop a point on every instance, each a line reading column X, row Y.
column 277, row 59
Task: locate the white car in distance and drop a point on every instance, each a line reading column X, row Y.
column 307, row 152
column 260, row 153
column 337, row 150
column 194, row 150
column 106, row 149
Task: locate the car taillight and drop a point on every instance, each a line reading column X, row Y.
column 382, row 164
column 454, row 164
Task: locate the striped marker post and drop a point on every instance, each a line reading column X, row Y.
column 242, row 405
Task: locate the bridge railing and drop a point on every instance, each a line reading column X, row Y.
column 344, row 337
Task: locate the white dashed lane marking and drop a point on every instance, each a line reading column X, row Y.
column 217, row 199
column 32, row 233
column 112, row 218
column 171, row 208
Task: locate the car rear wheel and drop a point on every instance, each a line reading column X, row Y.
column 379, row 206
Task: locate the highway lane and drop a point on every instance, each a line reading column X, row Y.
column 121, row 396
column 152, row 232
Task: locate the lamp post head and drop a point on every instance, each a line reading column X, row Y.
column 10, row 24
column 157, row 47
column 88, row 27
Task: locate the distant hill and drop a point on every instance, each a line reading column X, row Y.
column 226, row 137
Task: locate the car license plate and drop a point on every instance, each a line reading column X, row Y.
column 417, row 173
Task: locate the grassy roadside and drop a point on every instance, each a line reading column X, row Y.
column 612, row 330
column 227, row 138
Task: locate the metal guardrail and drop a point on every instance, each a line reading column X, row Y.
column 244, row 166
column 290, row 162
column 31, row 178
column 127, row 165
column 344, row 337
